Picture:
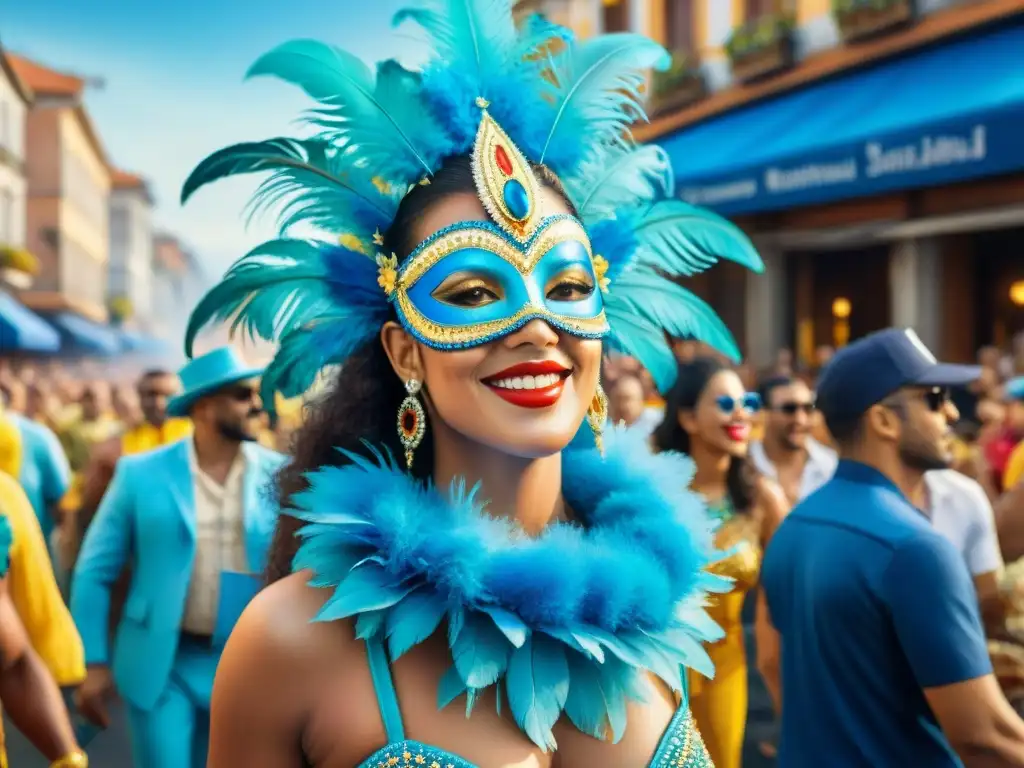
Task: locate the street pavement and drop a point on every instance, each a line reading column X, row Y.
column 110, row 748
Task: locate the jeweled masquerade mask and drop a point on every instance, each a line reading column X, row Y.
column 477, row 281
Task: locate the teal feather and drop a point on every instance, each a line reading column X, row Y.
column 509, row 624
column 413, row 620
column 273, row 288
column 320, row 185
column 586, row 705
column 372, row 121
column 620, row 178
column 537, row 684
column 680, row 239
column 369, row 624
column 456, row 621
column 6, row 540
column 480, row 652
column 450, row 687
column 474, row 37
column 365, row 589
column 636, row 337
column 672, row 309
column 599, row 89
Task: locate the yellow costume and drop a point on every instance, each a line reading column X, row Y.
column 719, row 706
column 34, row 590
column 1014, row 471
column 146, row 437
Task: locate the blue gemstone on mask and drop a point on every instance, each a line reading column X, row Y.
column 516, row 199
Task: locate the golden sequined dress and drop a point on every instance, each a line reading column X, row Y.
column 719, row 706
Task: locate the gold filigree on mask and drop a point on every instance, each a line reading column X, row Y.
column 504, row 180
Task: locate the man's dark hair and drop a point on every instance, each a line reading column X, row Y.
column 771, row 383
column 153, row 373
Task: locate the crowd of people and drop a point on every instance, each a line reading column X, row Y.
column 760, row 446
column 974, row 499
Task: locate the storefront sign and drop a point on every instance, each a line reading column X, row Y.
column 939, row 154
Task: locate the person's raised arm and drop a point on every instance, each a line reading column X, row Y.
column 29, row 694
column 935, row 614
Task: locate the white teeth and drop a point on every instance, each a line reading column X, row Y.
column 542, row 381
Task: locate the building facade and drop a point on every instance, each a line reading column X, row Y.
column 178, row 285
column 870, row 149
column 68, row 180
column 15, row 98
column 130, row 271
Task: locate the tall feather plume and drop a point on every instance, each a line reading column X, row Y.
column 320, row 185
column 619, row 178
column 681, row 239
column 475, row 37
column 643, row 307
column 384, row 120
column 273, row 288
column 598, row 92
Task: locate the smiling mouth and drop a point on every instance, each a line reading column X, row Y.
column 530, row 385
column 737, row 432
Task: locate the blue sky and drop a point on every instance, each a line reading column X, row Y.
column 173, row 88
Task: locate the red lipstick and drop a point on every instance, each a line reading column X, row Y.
column 737, row 432
column 530, row 385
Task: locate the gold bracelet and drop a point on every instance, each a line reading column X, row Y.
column 76, row 759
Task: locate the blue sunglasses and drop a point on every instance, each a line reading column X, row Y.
column 751, row 401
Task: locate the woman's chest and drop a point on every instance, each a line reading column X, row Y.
column 341, row 734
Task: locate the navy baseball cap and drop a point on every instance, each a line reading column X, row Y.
column 870, row 369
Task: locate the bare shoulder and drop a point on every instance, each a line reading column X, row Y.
column 279, row 624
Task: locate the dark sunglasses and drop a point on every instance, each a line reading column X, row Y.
column 792, row 409
column 751, row 401
column 936, row 398
column 241, row 394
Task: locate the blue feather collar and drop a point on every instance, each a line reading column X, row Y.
column 570, row 621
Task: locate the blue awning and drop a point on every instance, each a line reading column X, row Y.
column 141, row 343
column 937, row 116
column 84, row 336
column 22, row 330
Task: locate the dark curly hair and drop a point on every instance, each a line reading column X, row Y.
column 693, row 378
column 362, row 401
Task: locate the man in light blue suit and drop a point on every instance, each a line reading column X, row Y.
column 193, row 520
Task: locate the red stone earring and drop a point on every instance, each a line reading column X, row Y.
column 412, row 421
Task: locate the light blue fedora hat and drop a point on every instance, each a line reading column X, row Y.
column 206, row 374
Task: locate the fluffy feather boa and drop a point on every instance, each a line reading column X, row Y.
column 569, row 621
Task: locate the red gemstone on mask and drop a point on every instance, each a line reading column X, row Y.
column 502, row 159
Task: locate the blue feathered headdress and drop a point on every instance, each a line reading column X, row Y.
column 564, row 103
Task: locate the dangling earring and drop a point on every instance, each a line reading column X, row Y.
column 597, row 415
column 412, row 421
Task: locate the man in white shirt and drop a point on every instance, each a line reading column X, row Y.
column 788, row 454
column 195, row 523
column 960, row 510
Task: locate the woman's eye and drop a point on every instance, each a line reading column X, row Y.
column 472, row 297
column 570, row 290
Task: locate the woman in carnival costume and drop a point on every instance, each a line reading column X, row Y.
column 470, row 586
column 708, row 417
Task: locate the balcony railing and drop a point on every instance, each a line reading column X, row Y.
column 761, row 47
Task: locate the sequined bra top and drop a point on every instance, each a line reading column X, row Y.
column 680, row 747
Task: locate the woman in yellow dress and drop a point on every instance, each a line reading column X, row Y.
column 709, row 416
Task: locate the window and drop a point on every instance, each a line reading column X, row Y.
column 6, row 217
column 6, row 141
column 679, row 26
column 616, row 15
